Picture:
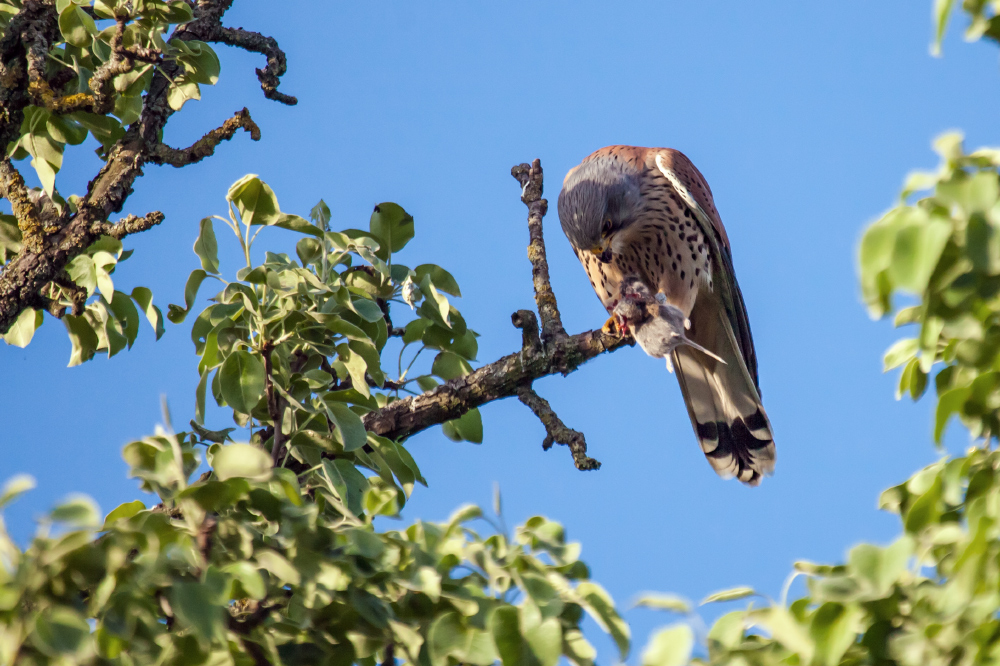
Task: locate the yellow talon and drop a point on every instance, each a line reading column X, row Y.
column 611, row 326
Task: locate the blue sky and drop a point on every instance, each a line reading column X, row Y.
column 804, row 117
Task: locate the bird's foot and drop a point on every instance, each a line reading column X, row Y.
column 611, row 326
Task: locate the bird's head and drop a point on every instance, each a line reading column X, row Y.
column 600, row 198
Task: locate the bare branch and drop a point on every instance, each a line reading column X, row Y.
column 205, row 146
column 130, row 224
column 500, row 379
column 274, row 407
column 556, row 431
column 270, row 76
column 530, row 178
column 528, row 323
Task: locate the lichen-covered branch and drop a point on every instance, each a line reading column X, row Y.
column 102, row 98
column 205, row 146
column 556, row 431
column 500, row 379
column 270, row 76
column 130, row 224
column 13, row 189
column 43, row 259
column 530, row 177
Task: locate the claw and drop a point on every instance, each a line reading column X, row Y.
column 611, row 326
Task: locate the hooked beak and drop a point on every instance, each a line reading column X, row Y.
column 602, row 253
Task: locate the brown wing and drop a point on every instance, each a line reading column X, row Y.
column 723, row 399
column 722, row 258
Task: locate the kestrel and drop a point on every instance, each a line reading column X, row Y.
column 649, row 213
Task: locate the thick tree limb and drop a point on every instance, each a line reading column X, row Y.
column 530, row 178
column 24, row 277
column 556, row 431
column 205, row 146
column 500, row 379
column 270, row 76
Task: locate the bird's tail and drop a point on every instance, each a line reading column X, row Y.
column 723, row 401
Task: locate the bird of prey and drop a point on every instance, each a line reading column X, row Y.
column 648, row 212
column 658, row 327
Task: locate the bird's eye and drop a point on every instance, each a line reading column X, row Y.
column 606, row 227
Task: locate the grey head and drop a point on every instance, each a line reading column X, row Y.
column 599, row 198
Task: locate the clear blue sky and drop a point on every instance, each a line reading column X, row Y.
column 805, row 118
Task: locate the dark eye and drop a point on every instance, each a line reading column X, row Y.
column 606, row 227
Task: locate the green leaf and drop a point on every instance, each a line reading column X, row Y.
column 669, row 647
column 143, row 297
column 194, row 604
column 667, row 602
column 950, row 402
column 61, row 632
column 349, row 425
column 242, row 381
column 77, row 510
column 441, row 278
column 392, row 227
column 241, row 461
column 597, row 602
column 82, row 337
column 278, row 566
column 123, row 512
column 449, row 637
column 15, row 487
column 124, row 310
column 206, row 247
column 448, row 365
column 348, row 483
column 468, row 427
column 368, row 309
column 76, row 26
column 181, row 90
column 320, row 215
column 942, row 11
column 177, row 314
column 731, row 594
column 254, row 201
column 23, row 329
column 899, row 353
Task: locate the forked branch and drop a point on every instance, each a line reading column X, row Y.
column 554, row 352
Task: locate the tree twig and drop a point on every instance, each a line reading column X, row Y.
column 528, row 323
column 270, row 76
column 530, row 177
column 205, row 146
column 556, row 431
column 130, row 224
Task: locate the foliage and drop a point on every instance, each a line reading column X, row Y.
column 276, row 554
column 75, row 110
column 283, row 564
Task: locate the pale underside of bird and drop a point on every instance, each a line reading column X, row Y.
column 646, row 216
